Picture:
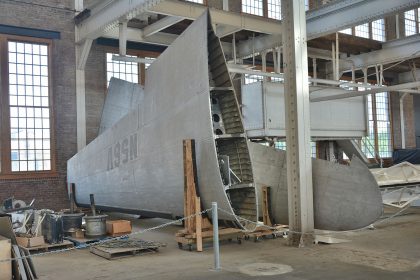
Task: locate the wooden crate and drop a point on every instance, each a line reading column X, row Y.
column 29, row 242
column 51, row 247
column 118, row 227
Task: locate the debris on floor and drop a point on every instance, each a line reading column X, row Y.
column 21, row 267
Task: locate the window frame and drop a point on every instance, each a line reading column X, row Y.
column 370, row 30
column 265, row 9
column 375, row 141
column 6, row 172
column 192, row 1
column 141, row 72
column 416, row 21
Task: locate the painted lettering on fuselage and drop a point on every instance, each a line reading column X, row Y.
column 122, row 152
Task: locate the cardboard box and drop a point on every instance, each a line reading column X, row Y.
column 118, row 227
column 5, row 253
column 78, row 234
column 29, row 242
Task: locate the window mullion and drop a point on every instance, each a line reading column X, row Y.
column 416, row 20
column 375, row 125
column 265, row 8
column 4, row 108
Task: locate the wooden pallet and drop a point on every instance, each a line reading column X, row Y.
column 84, row 241
column 51, row 247
column 118, row 253
column 198, row 229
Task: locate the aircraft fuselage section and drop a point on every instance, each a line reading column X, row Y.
column 123, row 151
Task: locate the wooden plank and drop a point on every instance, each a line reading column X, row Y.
column 206, row 224
column 19, row 261
column 30, row 262
column 6, row 229
column 223, row 231
column 198, row 220
column 189, row 184
column 47, row 247
column 5, row 253
column 266, row 206
column 27, row 266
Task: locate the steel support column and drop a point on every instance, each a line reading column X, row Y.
column 402, row 122
column 82, row 53
column 299, row 166
column 123, row 37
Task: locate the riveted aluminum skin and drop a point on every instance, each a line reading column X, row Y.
column 345, row 197
column 137, row 164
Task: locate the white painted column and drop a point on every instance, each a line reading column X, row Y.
column 78, row 5
column 80, row 109
column 299, row 165
column 82, row 53
column 234, row 48
column 279, row 62
column 264, row 64
column 274, row 52
column 333, row 60
column 337, row 57
column 225, row 5
column 315, row 73
column 122, row 38
column 402, row 122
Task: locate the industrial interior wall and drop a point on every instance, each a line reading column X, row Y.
column 410, row 136
column 55, row 15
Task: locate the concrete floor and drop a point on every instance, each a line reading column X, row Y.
column 391, row 251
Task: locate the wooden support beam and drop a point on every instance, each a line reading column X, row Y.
column 198, row 225
column 266, row 206
column 190, row 192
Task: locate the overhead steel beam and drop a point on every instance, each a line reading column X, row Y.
column 407, row 76
column 225, row 30
column 242, row 21
column 332, row 18
column 165, row 39
column 161, row 25
column 136, row 35
column 107, row 15
column 132, row 59
column 241, row 69
column 356, row 93
column 160, row 38
column 391, row 52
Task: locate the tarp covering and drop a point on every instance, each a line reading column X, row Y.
column 410, row 155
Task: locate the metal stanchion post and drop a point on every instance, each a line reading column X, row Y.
column 215, row 235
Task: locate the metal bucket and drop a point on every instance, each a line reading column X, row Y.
column 95, row 225
column 72, row 221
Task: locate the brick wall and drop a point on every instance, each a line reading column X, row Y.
column 95, row 76
column 49, row 193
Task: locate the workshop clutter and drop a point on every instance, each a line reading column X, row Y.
column 41, row 228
